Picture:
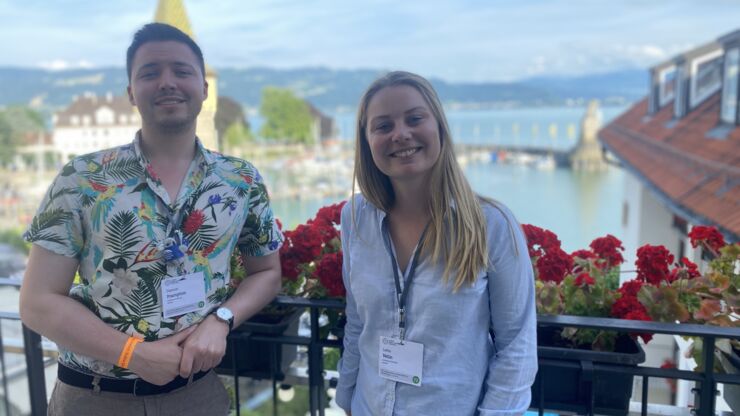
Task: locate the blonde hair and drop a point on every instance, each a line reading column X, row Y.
column 457, row 219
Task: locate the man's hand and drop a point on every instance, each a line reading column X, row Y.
column 205, row 347
column 158, row 362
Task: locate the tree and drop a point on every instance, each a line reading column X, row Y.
column 231, row 124
column 287, row 117
column 236, row 136
column 8, row 142
column 15, row 122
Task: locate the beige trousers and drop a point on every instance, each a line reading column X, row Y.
column 204, row 397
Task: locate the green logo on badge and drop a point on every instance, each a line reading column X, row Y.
column 201, row 304
column 415, row 380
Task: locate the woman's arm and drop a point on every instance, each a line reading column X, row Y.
column 513, row 366
column 349, row 364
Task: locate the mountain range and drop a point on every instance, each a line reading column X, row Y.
column 328, row 89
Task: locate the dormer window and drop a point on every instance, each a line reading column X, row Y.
column 667, row 85
column 104, row 115
column 75, row 120
column 706, row 76
column 730, row 86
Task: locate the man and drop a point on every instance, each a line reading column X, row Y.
column 151, row 227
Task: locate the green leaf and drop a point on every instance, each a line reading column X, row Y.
column 662, row 303
column 121, row 234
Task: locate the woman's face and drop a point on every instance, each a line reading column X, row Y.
column 402, row 133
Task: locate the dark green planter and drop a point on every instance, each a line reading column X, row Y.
column 568, row 388
column 261, row 359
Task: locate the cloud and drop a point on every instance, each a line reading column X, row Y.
column 62, row 65
column 457, row 40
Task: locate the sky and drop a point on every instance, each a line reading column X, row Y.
column 456, row 40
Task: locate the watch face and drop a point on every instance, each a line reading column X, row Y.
column 224, row 314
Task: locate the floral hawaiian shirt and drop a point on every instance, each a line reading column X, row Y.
column 109, row 210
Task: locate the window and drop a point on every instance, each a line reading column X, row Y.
column 730, row 86
column 104, row 115
column 706, row 77
column 625, row 213
column 667, row 80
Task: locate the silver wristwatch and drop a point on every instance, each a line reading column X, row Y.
column 225, row 315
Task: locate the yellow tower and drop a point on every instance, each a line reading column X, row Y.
column 173, row 13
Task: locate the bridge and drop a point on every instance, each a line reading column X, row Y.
column 502, row 152
column 585, row 155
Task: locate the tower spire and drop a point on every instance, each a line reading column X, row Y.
column 172, row 12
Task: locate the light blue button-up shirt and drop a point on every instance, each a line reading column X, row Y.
column 464, row 372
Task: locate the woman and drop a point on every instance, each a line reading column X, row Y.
column 431, row 271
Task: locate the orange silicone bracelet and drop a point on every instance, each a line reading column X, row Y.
column 128, row 351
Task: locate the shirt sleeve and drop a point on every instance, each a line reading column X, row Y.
column 261, row 234
column 349, row 364
column 513, row 366
column 57, row 225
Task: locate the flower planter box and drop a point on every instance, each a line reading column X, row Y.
column 569, row 389
column 253, row 358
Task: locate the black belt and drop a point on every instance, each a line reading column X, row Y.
column 137, row 386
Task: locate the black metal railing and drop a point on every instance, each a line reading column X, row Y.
column 33, row 351
column 705, row 393
column 707, row 378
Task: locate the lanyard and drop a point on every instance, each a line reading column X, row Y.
column 401, row 295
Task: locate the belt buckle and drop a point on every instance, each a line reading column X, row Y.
column 136, row 382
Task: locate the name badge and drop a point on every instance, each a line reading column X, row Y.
column 183, row 294
column 401, row 360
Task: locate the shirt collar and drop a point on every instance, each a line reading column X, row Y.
column 200, row 152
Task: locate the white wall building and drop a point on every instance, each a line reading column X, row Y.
column 680, row 148
column 92, row 123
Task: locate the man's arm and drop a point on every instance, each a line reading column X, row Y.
column 204, row 349
column 45, row 307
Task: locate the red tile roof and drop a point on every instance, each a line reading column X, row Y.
column 698, row 177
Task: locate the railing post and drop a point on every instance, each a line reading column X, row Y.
column 35, row 371
column 315, row 367
column 6, row 396
column 707, row 393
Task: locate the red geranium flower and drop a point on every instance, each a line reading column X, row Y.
column 554, row 265
column 329, row 215
column 708, row 236
column 685, row 269
column 329, row 273
column 539, row 240
column 584, row 279
column 629, row 307
column 583, row 254
column 652, row 263
column 305, row 243
column 608, row 249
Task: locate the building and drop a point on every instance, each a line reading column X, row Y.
column 92, row 123
column 323, row 127
column 680, row 148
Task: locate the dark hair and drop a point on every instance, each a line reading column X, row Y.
column 161, row 32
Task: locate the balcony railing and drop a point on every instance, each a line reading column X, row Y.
column 318, row 380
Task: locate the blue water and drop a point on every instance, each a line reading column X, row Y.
column 578, row 207
column 555, row 127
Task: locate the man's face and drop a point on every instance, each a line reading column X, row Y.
column 167, row 86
